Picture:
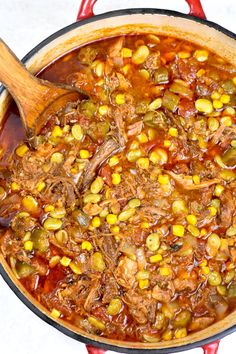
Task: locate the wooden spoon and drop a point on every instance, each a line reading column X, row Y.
column 36, row 99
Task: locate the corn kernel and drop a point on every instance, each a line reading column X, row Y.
column 204, row 106
column 84, row 154
column 96, row 323
column 156, row 258
column 103, row 110
column 116, row 178
column 28, row 245
column 65, row 261
column 184, row 55
column 193, row 230
column 49, row 208
column 15, row 186
column 213, row 124
column 57, row 132
column 225, row 98
column 163, row 179
column 234, row 80
column 202, row 143
column 218, row 190
column 200, row 72
column 111, row 219
column 201, row 55
column 126, row 68
column 75, row 268
column 142, row 138
column 120, row 98
column 155, row 104
column 114, row 160
column 203, row 232
column 196, row 179
column 115, row 229
column 226, row 120
column 179, row 206
column 99, row 68
column 144, row 73
column 57, row 157
column 145, row 225
column 191, row 219
column 152, row 133
column 180, row 333
column 221, row 289
column 215, row 95
column 55, row 313
column 167, row 335
column 22, row 150
column 167, row 143
column 54, row 261
column 40, row 186
column 178, row 230
column 96, row 221
column 212, row 210
column 27, row 236
column 143, row 283
column 214, row 278
column 159, row 156
column 203, row 263
column 114, row 307
column 164, row 271
column 173, row 132
column 77, row 132
column 143, row 163
column 217, row 104
column 86, row 245
column 126, row 52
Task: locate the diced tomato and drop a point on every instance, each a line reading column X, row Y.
column 105, row 172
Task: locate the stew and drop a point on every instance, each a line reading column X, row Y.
column 120, row 217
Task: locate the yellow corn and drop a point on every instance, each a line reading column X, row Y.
column 213, row 124
column 215, row 95
column 217, row 104
column 65, row 261
column 116, row 178
column 103, row 110
column 179, row 206
column 54, row 261
column 96, row 323
column 142, row 137
column 159, row 156
column 120, row 98
column 156, row 258
column 164, row 271
column 55, row 313
column 196, row 179
column 57, row 132
column 212, row 210
column 218, row 190
column 191, row 219
column 126, row 68
column 173, row 132
column 143, row 163
column 114, row 307
column 167, row 143
column 203, row 105
column 84, row 154
column 29, row 203
column 97, row 261
column 22, row 150
column 28, row 245
column 225, row 98
column 202, row 143
column 178, row 230
column 143, row 283
column 111, row 219
column 200, row 72
column 126, row 53
column 40, row 186
column 180, row 333
column 115, row 229
column 145, row 225
column 49, row 208
column 15, row 186
column 77, row 132
column 96, row 221
column 193, row 230
column 144, row 73
column 155, row 104
column 201, row 55
column 167, row 335
column 205, row 270
column 99, row 68
column 163, row 179
column 114, row 160
column 86, row 245
column 57, row 157
column 184, row 55
column 75, row 268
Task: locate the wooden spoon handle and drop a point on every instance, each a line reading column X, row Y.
column 21, row 84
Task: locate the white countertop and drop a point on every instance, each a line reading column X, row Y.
column 24, row 23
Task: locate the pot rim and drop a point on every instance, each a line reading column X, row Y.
column 3, row 272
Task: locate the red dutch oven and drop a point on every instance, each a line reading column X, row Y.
column 194, row 28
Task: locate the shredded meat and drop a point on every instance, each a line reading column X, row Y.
column 142, row 307
column 227, row 209
column 125, row 272
column 135, row 129
column 186, row 182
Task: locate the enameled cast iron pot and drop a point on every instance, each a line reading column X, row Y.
column 194, row 28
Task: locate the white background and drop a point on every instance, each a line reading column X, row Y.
column 24, row 23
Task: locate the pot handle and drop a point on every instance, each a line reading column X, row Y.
column 93, row 350
column 211, row 348
column 86, row 9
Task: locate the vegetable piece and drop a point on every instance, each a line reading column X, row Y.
column 153, row 241
column 161, row 75
column 204, row 106
column 62, row 236
column 182, row 319
column 30, row 204
column 214, row 278
column 98, row 130
column 181, row 90
column 82, row 219
column 97, row 262
column 155, row 119
column 77, row 132
column 88, row 108
column 140, row 55
column 52, row 224
column 58, row 213
column 24, row 270
column 178, row 230
column 114, row 307
column 213, row 244
column 87, row 55
column 170, row 101
column 232, row 290
column 22, row 150
column 126, row 214
column 97, row 185
column 229, row 157
column 96, row 323
column 40, row 240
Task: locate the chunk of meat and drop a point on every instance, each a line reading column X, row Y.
column 163, row 295
column 115, row 48
column 199, row 323
column 186, row 108
column 9, row 245
column 124, row 83
column 92, row 296
column 120, row 124
column 125, row 272
column 188, row 69
column 153, row 61
column 108, row 148
column 182, row 284
column 111, row 290
column 227, row 209
column 142, row 307
column 186, row 182
column 8, row 208
column 135, row 129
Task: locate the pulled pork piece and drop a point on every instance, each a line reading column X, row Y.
column 92, row 296
column 186, row 182
column 60, row 188
column 115, row 48
column 8, row 208
column 125, row 272
column 142, row 307
column 163, row 295
column 227, row 209
column 135, row 129
column 108, row 148
column 111, row 290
